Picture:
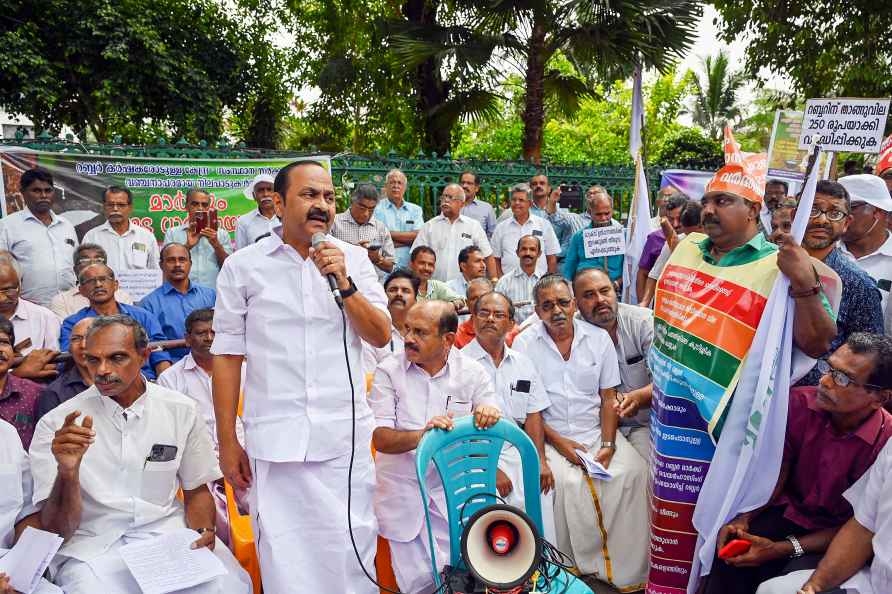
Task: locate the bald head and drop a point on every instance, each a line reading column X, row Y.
column 430, row 334
column 451, row 201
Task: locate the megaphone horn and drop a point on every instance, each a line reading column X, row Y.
column 501, row 546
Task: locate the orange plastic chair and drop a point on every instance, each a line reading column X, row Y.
column 241, row 539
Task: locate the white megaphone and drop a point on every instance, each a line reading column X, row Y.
column 501, row 546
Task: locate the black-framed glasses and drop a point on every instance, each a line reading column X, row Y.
column 841, row 378
column 832, row 215
column 96, row 280
column 485, row 314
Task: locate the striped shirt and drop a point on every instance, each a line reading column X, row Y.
column 375, row 232
column 517, row 286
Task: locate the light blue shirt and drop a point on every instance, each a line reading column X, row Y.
column 204, row 263
column 408, row 217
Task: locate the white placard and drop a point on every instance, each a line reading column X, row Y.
column 844, row 125
column 604, row 241
column 139, row 283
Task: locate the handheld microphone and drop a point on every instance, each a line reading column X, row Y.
column 318, row 239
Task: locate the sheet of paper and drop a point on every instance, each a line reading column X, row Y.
column 29, row 558
column 139, row 283
column 594, row 468
column 166, row 563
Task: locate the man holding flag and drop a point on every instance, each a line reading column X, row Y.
column 709, row 301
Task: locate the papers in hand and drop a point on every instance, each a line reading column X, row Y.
column 594, row 468
column 166, row 563
column 29, row 558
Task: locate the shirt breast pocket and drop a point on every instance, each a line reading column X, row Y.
column 636, row 375
column 159, row 481
column 587, row 378
column 459, row 406
column 11, row 490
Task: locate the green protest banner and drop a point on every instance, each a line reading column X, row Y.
column 159, row 185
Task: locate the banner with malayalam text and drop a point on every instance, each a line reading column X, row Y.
column 159, row 185
column 705, row 318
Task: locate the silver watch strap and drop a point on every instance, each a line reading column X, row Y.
column 798, row 551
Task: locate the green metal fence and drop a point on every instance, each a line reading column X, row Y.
column 426, row 174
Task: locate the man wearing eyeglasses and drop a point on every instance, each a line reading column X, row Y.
column 128, row 246
column 449, row 232
column 868, row 240
column 97, row 283
column 403, row 218
column 860, row 308
column 601, row 524
column 521, row 395
column 358, row 226
column 71, row 301
column 835, row 431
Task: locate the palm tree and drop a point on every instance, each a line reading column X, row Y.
column 715, row 94
column 607, row 37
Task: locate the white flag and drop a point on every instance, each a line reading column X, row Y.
column 637, row 229
column 637, row 115
column 748, row 455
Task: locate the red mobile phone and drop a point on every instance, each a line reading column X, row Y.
column 735, row 547
column 213, row 222
column 200, row 218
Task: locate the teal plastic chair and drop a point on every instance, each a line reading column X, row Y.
column 467, row 459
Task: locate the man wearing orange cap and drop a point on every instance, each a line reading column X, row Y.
column 708, row 302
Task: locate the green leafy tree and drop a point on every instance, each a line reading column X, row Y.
column 687, row 147
column 605, row 39
column 715, row 94
column 107, row 67
column 825, row 47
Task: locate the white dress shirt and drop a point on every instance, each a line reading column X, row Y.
column 372, row 355
column 276, row 307
column 518, row 286
column 15, row 476
column 405, row 397
column 187, row 377
column 124, row 494
column 252, row 225
column 37, row 323
column 136, row 249
column 518, row 387
column 45, row 253
column 447, row 239
column 878, row 265
column 71, row 301
column 509, row 232
column 872, row 505
column 573, row 385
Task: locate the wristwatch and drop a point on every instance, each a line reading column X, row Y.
column 798, row 551
column 608, row 444
column 351, row 290
column 203, row 530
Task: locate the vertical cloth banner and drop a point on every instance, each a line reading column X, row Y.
column 747, row 461
column 637, row 229
column 705, row 319
column 159, row 185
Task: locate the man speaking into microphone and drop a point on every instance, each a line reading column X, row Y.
column 276, row 309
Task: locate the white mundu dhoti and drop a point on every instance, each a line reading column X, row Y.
column 411, row 560
column 604, row 525
column 299, row 516
column 108, row 574
column 510, row 464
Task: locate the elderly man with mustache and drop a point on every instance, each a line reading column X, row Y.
column 860, row 308
column 174, row 300
column 251, row 226
column 97, row 283
column 108, row 463
column 601, row 524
